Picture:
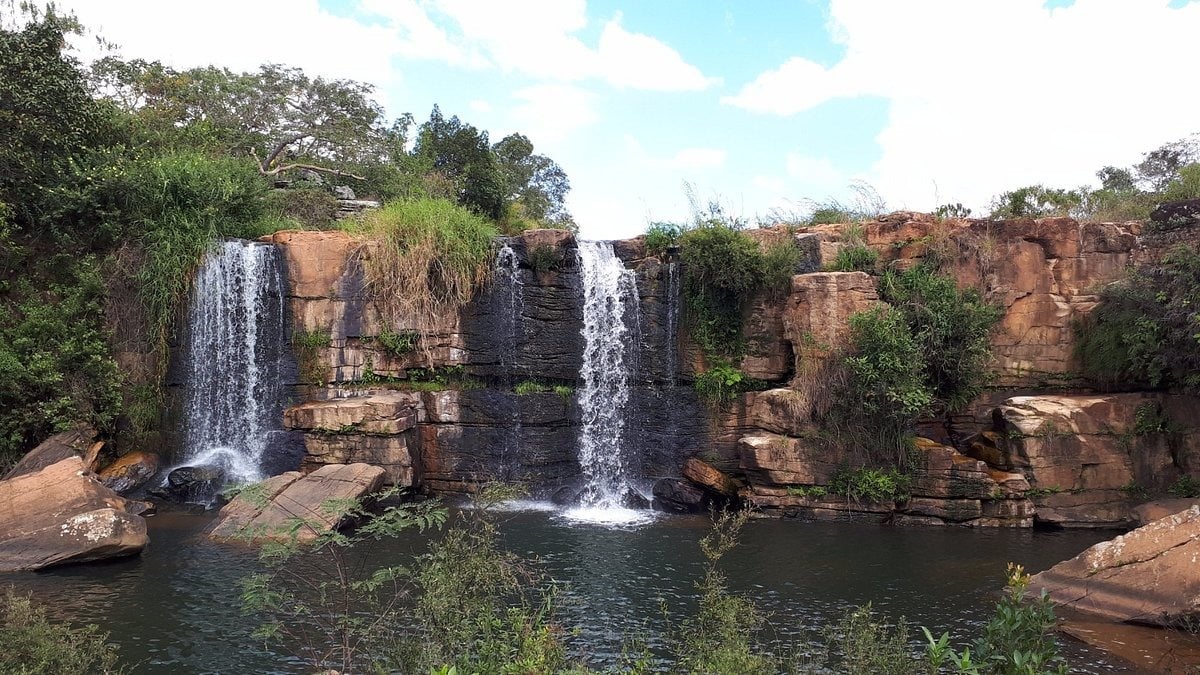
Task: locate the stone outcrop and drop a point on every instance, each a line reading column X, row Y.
column 82, row 442
column 61, row 514
column 272, row 509
column 1085, row 457
column 1146, row 576
column 130, row 471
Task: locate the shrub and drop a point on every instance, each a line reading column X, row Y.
column 1144, row 330
column 951, row 328
column 398, row 343
column 661, row 236
column 779, row 263
column 545, row 258
column 871, row 485
column 720, row 637
column 427, row 258
column 30, row 644
column 312, row 208
column 887, row 380
column 722, row 269
column 867, row 645
column 722, row 383
column 1185, row 487
column 1185, row 186
column 856, row 259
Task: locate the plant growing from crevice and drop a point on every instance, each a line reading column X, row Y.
column 1185, row 487
column 661, row 236
column 544, row 259
column 398, row 343
column 870, row 484
column 308, row 346
column 721, row 383
column 854, row 255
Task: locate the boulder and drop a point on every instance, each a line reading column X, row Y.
column 62, row 514
column 269, row 511
column 1161, row 508
column 680, row 496
column 709, row 477
column 1177, row 213
column 775, row 460
column 1148, row 575
column 191, row 484
column 78, row 442
column 130, row 471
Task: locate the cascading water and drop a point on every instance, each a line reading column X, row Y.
column 235, row 340
column 610, row 293
column 508, row 278
column 672, row 305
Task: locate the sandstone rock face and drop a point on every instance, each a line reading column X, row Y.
column 130, row 471
column 61, row 514
column 1148, row 575
column 816, row 318
column 709, row 477
column 1083, row 454
column 80, row 442
column 773, row 459
column 376, row 429
column 282, row 499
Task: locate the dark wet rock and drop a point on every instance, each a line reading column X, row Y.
column 679, row 496
column 191, row 484
column 1177, row 214
column 80, row 442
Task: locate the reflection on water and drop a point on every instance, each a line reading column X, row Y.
column 176, row 608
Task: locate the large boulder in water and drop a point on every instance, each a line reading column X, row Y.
column 269, row 510
column 62, row 514
column 1145, row 576
column 191, row 484
column 130, row 471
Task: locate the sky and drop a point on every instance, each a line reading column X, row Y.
column 762, row 105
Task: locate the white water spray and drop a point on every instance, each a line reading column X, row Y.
column 235, row 332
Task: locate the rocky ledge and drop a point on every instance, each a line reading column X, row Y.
column 62, row 514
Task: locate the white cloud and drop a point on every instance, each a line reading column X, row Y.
column 989, row 95
column 641, row 62
column 683, row 160
column 550, row 112
column 480, row 106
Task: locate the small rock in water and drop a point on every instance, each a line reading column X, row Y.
column 672, row 494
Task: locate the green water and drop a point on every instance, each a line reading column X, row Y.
column 175, row 609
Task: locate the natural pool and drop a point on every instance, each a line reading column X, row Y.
column 176, row 608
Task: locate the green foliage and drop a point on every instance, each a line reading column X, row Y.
column 955, row 210
column 856, row 259
column 719, row 639
column 31, row 644
column 722, row 270
column 1145, row 329
column 1186, row 185
column 564, row 390
column 398, row 343
column 311, row 208
column 480, row 608
column 307, row 346
column 722, row 383
column 830, row 215
column 870, row 485
column 660, row 236
column 428, row 258
column 531, row 387
column 887, row 381
column 1037, row 201
column 951, row 328
column 1150, row 418
column 56, row 367
column 320, row 596
column 865, row 644
column 1185, row 486
column 544, row 258
column 779, row 263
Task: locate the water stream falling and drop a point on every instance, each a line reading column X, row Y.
column 235, row 340
column 507, row 272
column 610, row 293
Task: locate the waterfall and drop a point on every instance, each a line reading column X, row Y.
column 235, row 339
column 507, row 273
column 608, row 290
column 672, row 305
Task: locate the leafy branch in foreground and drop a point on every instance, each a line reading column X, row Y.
column 30, row 644
column 320, row 595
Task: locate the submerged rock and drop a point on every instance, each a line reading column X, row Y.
column 269, row 510
column 1148, row 575
column 62, row 514
column 680, row 496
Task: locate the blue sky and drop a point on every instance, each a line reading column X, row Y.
column 762, row 105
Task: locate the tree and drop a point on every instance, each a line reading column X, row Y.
column 48, row 126
column 536, row 182
column 279, row 115
column 1161, row 166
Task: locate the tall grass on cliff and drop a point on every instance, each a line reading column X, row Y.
column 424, row 259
